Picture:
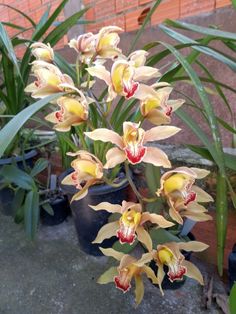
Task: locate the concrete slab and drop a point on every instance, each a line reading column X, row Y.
column 52, row 276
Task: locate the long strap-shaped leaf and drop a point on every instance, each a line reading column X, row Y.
column 10, row 130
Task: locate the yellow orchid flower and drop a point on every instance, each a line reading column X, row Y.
column 107, row 41
column 131, row 146
column 155, row 105
column 126, row 271
column 102, row 45
column 73, row 111
column 169, row 254
column 123, row 78
column 130, row 223
column 42, row 51
column 88, row 170
column 178, row 187
column 49, row 80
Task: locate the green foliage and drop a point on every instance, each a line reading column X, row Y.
column 232, row 300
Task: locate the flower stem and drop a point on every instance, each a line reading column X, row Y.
column 136, row 192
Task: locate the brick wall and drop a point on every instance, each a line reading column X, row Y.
column 34, row 9
column 129, row 14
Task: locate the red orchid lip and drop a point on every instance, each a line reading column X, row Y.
column 190, row 198
column 130, row 92
column 169, row 111
column 137, row 158
column 125, row 239
column 177, row 275
column 119, row 285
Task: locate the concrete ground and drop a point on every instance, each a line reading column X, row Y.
column 52, row 276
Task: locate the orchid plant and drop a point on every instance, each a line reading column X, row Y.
column 109, row 135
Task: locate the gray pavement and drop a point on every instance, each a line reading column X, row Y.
column 52, row 276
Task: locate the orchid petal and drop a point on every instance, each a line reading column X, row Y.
column 107, row 231
column 150, row 274
column 144, row 91
column 156, row 219
column 114, row 157
column 67, row 180
column 193, row 272
column 194, row 246
column 159, row 133
column 175, row 215
column 100, row 72
column 126, row 261
column 175, row 103
column 144, row 237
column 160, row 277
column 110, row 208
column 157, row 117
column 202, row 196
column 112, row 253
column 81, row 194
column 145, row 258
column 139, row 289
column 108, row 276
column 106, row 135
column 201, row 173
column 156, row 157
column 145, row 73
column 200, row 217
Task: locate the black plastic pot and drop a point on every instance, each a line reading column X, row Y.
column 166, row 283
column 87, row 221
column 61, row 209
column 7, row 194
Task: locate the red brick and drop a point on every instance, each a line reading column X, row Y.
column 144, row 1
column 222, row 3
column 21, row 5
column 124, row 5
column 34, row 5
column 192, row 7
column 4, row 14
column 90, row 15
column 167, row 9
column 104, row 8
column 118, row 20
column 131, row 20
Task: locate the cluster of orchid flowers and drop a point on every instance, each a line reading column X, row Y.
column 125, row 78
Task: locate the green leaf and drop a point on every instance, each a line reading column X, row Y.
column 43, row 19
column 206, row 50
column 48, row 208
column 55, row 35
column 65, row 66
column 160, row 236
column 232, row 296
column 39, row 166
column 31, row 213
column 14, row 175
column 152, row 175
column 200, row 29
column 14, row 26
column 6, row 43
column 9, row 131
column 124, row 248
column 221, row 219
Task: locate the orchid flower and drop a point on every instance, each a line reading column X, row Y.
column 85, row 45
column 49, row 80
column 131, row 145
column 123, row 78
column 130, row 223
column 102, row 45
column 73, row 111
column 169, row 254
column 155, row 105
column 183, row 196
column 125, row 272
column 42, row 52
column 88, row 170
